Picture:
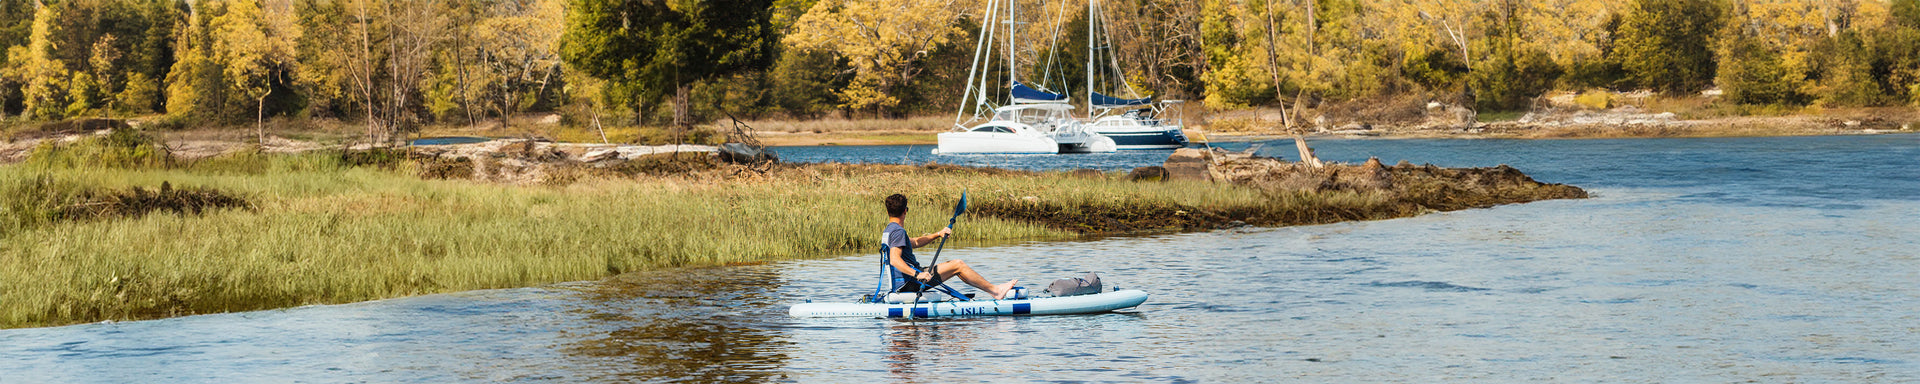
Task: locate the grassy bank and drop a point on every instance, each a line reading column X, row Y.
column 319, row 231
column 103, row 231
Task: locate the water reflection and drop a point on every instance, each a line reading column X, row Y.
column 699, row 324
column 910, row 343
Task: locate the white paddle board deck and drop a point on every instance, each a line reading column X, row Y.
column 1070, row 305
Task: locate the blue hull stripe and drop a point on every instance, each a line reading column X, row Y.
column 920, row 312
column 1022, row 309
column 893, row 312
column 1143, row 139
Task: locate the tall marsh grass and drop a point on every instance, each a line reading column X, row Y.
column 318, row 229
column 334, row 234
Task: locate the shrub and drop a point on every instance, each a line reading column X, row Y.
column 122, row 147
column 1597, row 99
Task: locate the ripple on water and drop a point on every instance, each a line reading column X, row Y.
column 1707, row 261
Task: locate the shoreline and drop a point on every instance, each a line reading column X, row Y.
column 153, row 238
column 1629, row 126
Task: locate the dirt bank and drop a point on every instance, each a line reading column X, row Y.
column 1297, row 194
column 1566, row 115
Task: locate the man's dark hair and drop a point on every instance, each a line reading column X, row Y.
column 896, row 205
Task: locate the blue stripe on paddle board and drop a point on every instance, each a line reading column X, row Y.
column 1022, row 309
column 893, row 312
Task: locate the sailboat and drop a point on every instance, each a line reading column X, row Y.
column 1033, row 121
column 1132, row 123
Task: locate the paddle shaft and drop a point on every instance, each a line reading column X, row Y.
column 933, row 266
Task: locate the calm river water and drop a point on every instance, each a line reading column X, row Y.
column 1697, row 260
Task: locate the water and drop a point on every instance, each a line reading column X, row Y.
column 1698, row 260
column 923, row 154
column 448, row 140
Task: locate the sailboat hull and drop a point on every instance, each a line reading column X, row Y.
column 987, row 143
column 1147, row 138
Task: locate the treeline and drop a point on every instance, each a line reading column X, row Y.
column 401, row 64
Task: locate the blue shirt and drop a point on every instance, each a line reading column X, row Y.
column 896, row 237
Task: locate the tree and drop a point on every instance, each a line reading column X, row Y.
column 644, row 48
column 107, row 70
column 520, row 46
column 328, row 51
column 1159, row 41
column 1667, row 44
column 1898, row 44
column 1235, row 75
column 883, row 41
column 1514, row 73
column 1846, row 77
column 196, row 84
column 414, row 28
column 45, row 75
column 254, row 46
column 1751, row 73
column 804, row 82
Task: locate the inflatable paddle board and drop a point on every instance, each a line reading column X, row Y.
column 1067, row 305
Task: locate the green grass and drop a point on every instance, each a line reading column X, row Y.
column 325, row 227
column 1499, row 116
column 321, row 232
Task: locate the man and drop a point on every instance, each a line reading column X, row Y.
column 900, row 256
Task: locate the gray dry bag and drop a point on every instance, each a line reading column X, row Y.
column 1075, row 286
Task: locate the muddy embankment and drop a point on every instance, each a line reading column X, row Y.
column 1297, row 194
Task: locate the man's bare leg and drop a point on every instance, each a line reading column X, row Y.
column 959, row 268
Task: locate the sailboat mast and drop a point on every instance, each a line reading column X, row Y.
column 1013, row 22
column 1089, row 69
column 979, row 47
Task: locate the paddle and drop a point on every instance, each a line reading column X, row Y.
column 959, row 208
column 933, row 268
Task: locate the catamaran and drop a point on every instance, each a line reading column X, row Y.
column 1132, row 123
column 1032, row 121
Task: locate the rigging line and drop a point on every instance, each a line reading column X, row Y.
column 978, row 44
column 1114, row 54
column 991, row 29
column 1054, row 47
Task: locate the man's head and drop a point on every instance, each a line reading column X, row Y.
column 897, row 205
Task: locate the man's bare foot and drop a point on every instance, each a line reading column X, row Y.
column 1000, row 291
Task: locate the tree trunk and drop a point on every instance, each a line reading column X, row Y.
column 366, row 72
column 506, row 102
column 597, row 127
column 1273, row 60
column 260, row 118
column 1300, row 101
column 680, row 118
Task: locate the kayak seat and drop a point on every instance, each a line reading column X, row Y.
column 889, row 287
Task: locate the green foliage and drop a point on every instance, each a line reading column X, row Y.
column 1235, row 76
column 1434, row 69
column 1503, row 84
column 45, row 75
column 83, row 93
column 1512, row 75
column 1752, row 73
column 1667, row 44
column 647, row 49
column 1846, row 77
column 1595, row 99
column 1602, row 69
column 123, row 147
column 804, row 82
column 31, row 201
